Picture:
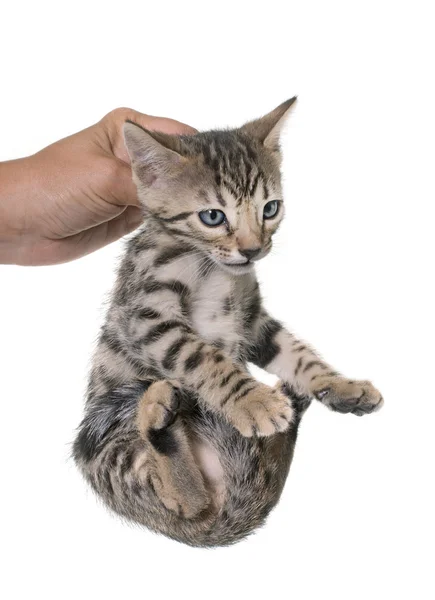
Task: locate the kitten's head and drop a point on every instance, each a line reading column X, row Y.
column 218, row 190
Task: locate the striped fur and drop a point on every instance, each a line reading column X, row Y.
column 177, row 435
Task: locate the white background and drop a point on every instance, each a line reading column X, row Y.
column 352, row 272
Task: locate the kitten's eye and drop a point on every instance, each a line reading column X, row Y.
column 212, row 217
column 271, row 209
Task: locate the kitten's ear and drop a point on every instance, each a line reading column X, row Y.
column 152, row 153
column 268, row 129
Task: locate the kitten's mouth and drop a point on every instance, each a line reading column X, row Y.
column 239, row 264
column 241, row 267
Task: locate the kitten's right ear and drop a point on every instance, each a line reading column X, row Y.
column 153, row 154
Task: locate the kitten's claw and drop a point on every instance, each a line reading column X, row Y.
column 262, row 411
column 320, row 395
column 347, row 396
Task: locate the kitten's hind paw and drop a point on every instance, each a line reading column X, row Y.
column 261, row 411
column 187, row 502
column 158, row 406
column 346, row 396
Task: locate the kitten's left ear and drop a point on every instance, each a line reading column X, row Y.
column 268, row 129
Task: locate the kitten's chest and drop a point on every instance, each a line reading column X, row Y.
column 216, row 312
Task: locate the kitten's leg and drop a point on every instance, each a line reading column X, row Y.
column 174, row 474
column 224, row 386
column 279, row 352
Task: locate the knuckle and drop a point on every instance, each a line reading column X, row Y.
column 113, row 171
column 121, row 113
column 108, row 173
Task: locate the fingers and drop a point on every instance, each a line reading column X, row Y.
column 123, row 188
column 51, row 252
column 165, row 125
column 115, row 120
column 92, row 239
column 130, row 219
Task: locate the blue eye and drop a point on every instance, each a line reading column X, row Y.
column 212, row 217
column 271, row 209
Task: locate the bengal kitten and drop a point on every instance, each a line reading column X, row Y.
column 177, row 434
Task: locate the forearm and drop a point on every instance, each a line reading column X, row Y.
column 201, row 367
column 279, row 352
column 296, row 363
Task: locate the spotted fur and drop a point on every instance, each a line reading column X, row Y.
column 177, row 434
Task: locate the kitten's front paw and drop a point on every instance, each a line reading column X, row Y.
column 347, row 396
column 262, row 411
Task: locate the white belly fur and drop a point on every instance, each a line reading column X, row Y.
column 208, row 462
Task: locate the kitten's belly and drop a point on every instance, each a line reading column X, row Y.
column 207, row 459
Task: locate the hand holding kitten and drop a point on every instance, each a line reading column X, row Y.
column 74, row 196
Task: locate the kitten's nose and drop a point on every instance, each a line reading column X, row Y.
column 250, row 253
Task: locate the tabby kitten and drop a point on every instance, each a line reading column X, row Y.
column 177, row 435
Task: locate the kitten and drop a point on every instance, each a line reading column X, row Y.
column 177, row 435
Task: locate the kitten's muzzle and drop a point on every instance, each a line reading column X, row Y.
column 250, row 253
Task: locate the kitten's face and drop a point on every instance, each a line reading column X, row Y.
column 220, row 191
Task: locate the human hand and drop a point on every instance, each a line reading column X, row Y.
column 74, row 196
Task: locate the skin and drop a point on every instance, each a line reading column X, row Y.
column 74, row 196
